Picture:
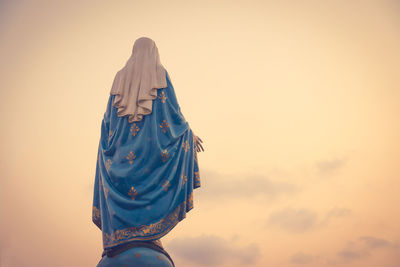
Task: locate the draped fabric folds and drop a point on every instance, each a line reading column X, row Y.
column 146, row 172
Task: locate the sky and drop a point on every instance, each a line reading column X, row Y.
column 297, row 104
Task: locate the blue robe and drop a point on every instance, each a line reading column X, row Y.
column 146, row 172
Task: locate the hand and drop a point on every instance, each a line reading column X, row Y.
column 199, row 147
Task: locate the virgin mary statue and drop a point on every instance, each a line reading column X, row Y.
column 147, row 166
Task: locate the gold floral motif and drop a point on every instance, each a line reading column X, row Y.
column 197, row 179
column 162, row 96
column 146, row 230
column 186, row 145
column 108, row 164
column 131, row 157
column 95, row 214
column 155, row 230
column 166, row 184
column 164, row 125
column 164, row 155
column 134, row 129
column 190, row 201
column 184, row 179
column 132, row 193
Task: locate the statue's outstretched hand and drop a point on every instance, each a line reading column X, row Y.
column 198, row 140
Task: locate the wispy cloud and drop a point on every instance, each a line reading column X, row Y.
column 363, row 247
column 373, row 242
column 211, row 250
column 294, row 220
column 349, row 254
column 302, row 258
column 329, row 167
column 354, row 250
column 335, row 212
column 302, row 219
column 216, row 185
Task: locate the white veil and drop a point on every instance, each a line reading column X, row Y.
column 135, row 85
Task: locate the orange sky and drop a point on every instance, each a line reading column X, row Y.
column 297, row 103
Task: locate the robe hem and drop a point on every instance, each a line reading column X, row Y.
column 177, row 216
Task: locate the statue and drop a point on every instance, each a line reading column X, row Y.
column 147, row 166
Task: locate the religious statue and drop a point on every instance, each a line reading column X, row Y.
column 147, row 166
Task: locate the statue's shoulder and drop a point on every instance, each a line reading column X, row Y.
column 167, row 77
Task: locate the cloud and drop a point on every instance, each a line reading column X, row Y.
column 211, row 250
column 216, row 185
column 372, row 242
column 293, row 220
column 349, row 254
column 335, row 213
column 301, row 258
column 327, row 167
column 303, row 219
column 338, row 212
column 363, row 247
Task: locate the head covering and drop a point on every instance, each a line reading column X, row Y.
column 135, row 85
column 146, row 171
